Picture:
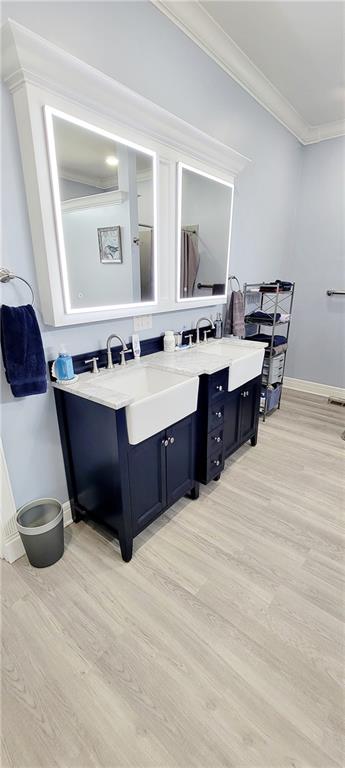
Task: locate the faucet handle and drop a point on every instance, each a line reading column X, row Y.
column 122, row 355
column 205, row 332
column 190, row 337
column 93, row 360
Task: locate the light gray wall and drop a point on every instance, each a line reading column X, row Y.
column 317, row 348
column 137, row 45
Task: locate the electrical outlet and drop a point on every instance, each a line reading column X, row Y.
column 142, row 323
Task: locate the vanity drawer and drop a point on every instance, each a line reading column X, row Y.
column 215, row 416
column 215, row 441
column 218, row 384
column 215, row 464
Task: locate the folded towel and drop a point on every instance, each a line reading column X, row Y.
column 277, row 340
column 258, row 317
column 234, row 317
column 22, row 351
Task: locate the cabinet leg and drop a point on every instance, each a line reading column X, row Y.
column 254, row 439
column 217, row 477
column 194, row 494
column 76, row 516
column 126, row 546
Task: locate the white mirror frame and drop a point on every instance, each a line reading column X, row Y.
column 38, row 74
column 50, row 113
column 221, row 298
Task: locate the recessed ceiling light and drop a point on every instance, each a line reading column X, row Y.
column 111, row 160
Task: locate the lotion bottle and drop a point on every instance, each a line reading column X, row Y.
column 136, row 346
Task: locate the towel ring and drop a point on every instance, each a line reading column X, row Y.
column 233, row 277
column 6, row 276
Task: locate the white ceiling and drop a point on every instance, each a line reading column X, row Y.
column 289, row 55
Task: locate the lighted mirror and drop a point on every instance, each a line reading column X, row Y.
column 203, row 234
column 105, row 204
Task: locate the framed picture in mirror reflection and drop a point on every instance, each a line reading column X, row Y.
column 109, row 243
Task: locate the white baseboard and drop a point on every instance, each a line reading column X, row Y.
column 12, row 547
column 325, row 390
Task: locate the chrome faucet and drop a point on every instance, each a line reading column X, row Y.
column 201, row 319
column 122, row 353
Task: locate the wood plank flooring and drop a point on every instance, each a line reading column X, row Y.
column 220, row 644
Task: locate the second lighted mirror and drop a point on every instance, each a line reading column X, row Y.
column 203, row 236
column 104, row 194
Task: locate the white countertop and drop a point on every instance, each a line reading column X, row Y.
column 187, row 362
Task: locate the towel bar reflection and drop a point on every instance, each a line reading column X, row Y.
column 330, row 292
column 6, row 276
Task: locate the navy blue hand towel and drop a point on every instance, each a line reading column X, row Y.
column 22, row 351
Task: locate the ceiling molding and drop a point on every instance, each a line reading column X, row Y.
column 195, row 21
column 94, row 201
column 326, row 131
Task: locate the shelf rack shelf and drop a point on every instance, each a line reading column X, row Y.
column 271, row 299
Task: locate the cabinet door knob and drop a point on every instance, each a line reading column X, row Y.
column 219, row 388
column 217, row 439
column 216, row 462
column 172, row 440
column 165, row 443
column 219, row 414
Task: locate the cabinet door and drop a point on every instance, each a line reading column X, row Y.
column 147, row 479
column 180, row 459
column 248, row 409
column 231, row 421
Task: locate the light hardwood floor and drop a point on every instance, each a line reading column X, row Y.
column 220, row 644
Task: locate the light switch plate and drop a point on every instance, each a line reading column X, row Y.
column 142, row 323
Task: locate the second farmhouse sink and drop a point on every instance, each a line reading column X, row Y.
column 245, row 362
column 159, row 398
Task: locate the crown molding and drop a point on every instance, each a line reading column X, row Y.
column 323, row 132
column 29, row 59
column 195, row 21
column 94, row 201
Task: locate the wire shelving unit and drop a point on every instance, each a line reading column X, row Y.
column 271, row 299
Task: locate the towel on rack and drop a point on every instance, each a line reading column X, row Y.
column 22, row 351
column 234, row 317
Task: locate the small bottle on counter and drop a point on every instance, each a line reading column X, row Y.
column 218, row 326
column 136, row 346
column 169, row 341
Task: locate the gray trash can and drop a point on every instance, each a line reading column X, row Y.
column 40, row 524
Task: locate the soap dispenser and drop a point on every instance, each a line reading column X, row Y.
column 62, row 368
column 218, row 324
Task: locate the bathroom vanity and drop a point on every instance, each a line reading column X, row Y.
column 128, row 438
column 226, row 420
column 140, row 436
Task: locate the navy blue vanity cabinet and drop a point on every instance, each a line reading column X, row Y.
column 226, row 420
column 210, row 431
column 241, row 416
column 180, row 460
column 120, row 485
column 161, row 470
column 147, row 479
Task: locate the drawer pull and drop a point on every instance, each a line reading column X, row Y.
column 219, row 414
column 245, row 394
column 216, row 462
column 172, row 440
column 165, row 443
column 218, row 439
column 219, row 387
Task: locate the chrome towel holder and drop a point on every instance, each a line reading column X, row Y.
column 6, row 275
column 233, row 277
column 331, row 292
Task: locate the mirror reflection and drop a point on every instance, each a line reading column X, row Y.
column 205, row 205
column 106, row 199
